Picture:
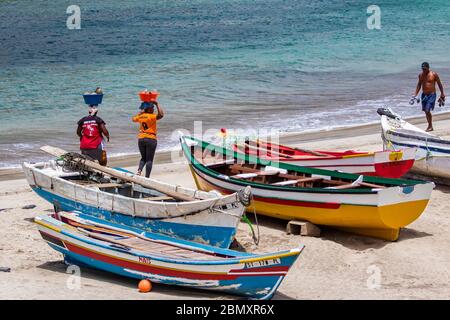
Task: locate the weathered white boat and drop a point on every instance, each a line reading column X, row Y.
column 433, row 152
column 189, row 214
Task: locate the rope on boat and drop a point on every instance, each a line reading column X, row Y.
column 245, row 196
column 429, row 154
column 247, row 220
column 73, row 161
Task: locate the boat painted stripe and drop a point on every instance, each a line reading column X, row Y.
column 421, row 147
column 123, row 263
column 231, row 275
column 274, row 288
column 305, row 163
column 299, row 159
column 415, row 137
column 293, row 252
column 47, row 225
column 358, row 155
column 368, row 165
column 261, row 269
column 246, row 274
column 321, row 205
column 299, row 203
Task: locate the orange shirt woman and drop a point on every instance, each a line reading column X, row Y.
column 147, row 134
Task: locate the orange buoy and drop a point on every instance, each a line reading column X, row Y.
column 145, row 286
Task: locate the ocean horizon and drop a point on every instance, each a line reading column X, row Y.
column 287, row 65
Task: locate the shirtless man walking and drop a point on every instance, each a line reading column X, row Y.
column 427, row 82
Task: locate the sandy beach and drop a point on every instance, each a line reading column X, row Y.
column 337, row 265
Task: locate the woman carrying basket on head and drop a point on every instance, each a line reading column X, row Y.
column 147, row 130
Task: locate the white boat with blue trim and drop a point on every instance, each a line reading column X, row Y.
column 433, row 152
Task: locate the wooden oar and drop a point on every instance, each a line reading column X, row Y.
column 57, row 152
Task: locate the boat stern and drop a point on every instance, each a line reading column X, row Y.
column 402, row 205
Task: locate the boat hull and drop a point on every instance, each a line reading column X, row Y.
column 198, row 221
column 253, row 276
column 201, row 232
column 433, row 154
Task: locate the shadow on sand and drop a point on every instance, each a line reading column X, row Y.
column 361, row 243
column 442, row 188
column 346, row 239
column 176, row 292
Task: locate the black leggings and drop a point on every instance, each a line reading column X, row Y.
column 147, row 148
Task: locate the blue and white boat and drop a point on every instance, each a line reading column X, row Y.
column 433, row 153
column 87, row 241
column 189, row 214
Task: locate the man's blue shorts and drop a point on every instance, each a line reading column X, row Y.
column 428, row 101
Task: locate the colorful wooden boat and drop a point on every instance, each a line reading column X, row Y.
column 433, row 153
column 205, row 217
column 387, row 164
column 87, row 241
column 371, row 206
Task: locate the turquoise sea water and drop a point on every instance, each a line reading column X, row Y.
column 291, row 65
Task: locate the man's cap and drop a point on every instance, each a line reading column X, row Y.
column 425, row 65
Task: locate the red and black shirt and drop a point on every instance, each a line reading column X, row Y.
column 91, row 134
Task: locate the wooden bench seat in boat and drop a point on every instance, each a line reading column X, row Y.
column 293, row 182
column 124, row 239
column 372, row 185
column 255, row 174
column 164, row 249
column 361, row 184
column 292, row 179
column 104, row 185
column 251, row 172
column 146, row 245
column 159, row 198
column 237, row 168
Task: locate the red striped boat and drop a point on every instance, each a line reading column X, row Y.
column 387, row 164
column 131, row 252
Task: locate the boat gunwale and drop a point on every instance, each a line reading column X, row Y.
column 354, row 154
column 331, row 158
column 405, row 135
